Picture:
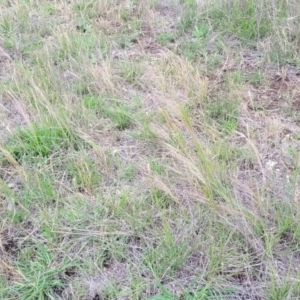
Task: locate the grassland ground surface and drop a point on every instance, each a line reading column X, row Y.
column 149, row 149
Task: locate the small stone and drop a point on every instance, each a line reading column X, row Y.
column 270, row 164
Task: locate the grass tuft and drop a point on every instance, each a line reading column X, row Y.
column 38, row 141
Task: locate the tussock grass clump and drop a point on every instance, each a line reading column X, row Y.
column 38, row 141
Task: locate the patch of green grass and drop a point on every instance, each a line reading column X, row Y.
column 205, row 293
column 132, row 73
column 212, row 61
column 133, row 27
column 73, row 45
column 119, row 115
column 257, row 78
column 236, row 78
column 129, row 173
column 164, row 260
column 81, row 88
column 4, row 293
column 189, row 16
column 165, row 295
column 252, row 21
column 39, row 188
column 165, row 38
column 160, row 199
column 50, row 9
column 78, row 213
column 92, row 102
column 18, row 216
column 124, row 41
column 156, row 167
column 246, row 19
column 200, row 31
column 41, row 277
column 83, row 26
column 283, row 289
column 194, row 46
column 89, row 10
column 112, row 291
column 228, row 155
column 38, row 141
column 50, row 235
column 6, row 26
column 225, row 113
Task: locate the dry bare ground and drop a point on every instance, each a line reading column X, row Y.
column 149, row 149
